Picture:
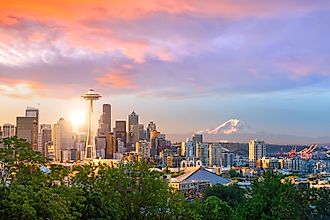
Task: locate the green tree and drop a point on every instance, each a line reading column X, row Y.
column 232, row 195
column 28, row 193
column 269, row 198
column 319, row 202
column 17, row 159
column 129, row 190
column 214, row 208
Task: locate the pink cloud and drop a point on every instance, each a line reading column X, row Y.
column 116, row 80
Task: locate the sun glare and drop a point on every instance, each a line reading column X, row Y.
column 78, row 118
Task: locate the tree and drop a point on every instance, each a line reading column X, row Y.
column 319, row 202
column 214, row 208
column 28, row 193
column 17, row 158
column 129, row 190
column 269, row 198
column 232, row 195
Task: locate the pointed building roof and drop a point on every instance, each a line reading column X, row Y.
column 200, row 174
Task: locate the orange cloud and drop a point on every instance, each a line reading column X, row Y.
column 71, row 10
column 116, row 80
column 18, row 88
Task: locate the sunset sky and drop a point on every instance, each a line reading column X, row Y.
column 188, row 65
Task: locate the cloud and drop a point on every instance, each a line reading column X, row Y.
column 116, row 80
column 232, row 126
column 179, row 50
column 18, row 89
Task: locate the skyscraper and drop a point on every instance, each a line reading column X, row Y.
column 151, row 127
column 8, row 130
column 103, row 131
column 120, row 133
column 111, row 146
column 142, row 135
column 27, row 127
column 46, row 137
column 105, row 120
column 133, row 129
column 63, row 140
column 257, row 150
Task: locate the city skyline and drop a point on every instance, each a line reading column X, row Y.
column 187, row 66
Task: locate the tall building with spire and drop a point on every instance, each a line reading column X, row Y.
column 91, row 96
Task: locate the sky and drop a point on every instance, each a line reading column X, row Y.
column 188, row 65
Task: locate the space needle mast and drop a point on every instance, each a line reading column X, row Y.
column 90, row 96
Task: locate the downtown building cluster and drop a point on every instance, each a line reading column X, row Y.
column 59, row 143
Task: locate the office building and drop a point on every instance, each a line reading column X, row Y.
column 111, row 146
column 101, row 144
column 151, row 127
column 133, row 128
column 105, row 120
column 8, row 130
column 119, row 132
column 45, row 138
column 198, row 138
column 142, row 133
column 257, row 150
column 27, row 127
column 63, row 140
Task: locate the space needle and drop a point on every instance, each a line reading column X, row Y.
column 90, row 96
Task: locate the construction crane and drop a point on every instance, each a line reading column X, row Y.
column 307, row 152
column 292, row 153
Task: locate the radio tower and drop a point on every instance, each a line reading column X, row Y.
column 90, row 96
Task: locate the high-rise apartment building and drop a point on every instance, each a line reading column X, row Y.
column 202, row 152
column 189, row 149
column 27, row 127
column 257, row 150
column 133, row 128
column 227, row 159
column 215, row 154
column 8, row 130
column 143, row 149
column 63, row 140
